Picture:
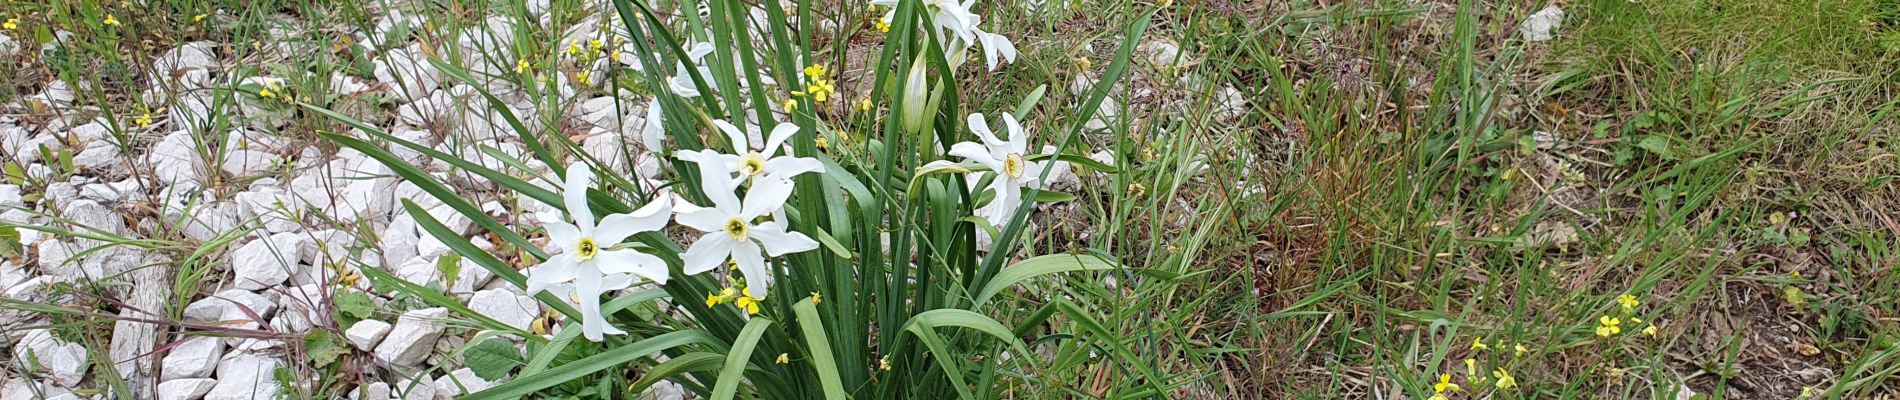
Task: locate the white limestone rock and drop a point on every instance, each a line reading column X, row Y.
column 227, row 308
column 507, row 306
column 244, row 376
column 413, row 337
column 372, row 391
column 65, row 362
column 246, row 163
column 462, row 381
column 267, row 262
column 1542, row 25
column 367, row 333
column 197, row 357
column 185, row 389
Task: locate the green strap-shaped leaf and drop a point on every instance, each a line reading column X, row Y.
column 819, row 349
column 1041, row 265
column 925, row 325
column 689, row 362
column 734, row 371
column 615, row 357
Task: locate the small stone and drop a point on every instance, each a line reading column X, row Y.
column 224, row 308
column 185, row 389
column 412, row 338
column 420, row 389
column 195, row 358
column 372, row 391
column 65, row 362
column 366, row 334
column 506, row 306
column 267, row 262
column 246, row 377
column 1543, row 25
column 97, row 156
column 462, row 381
column 245, row 163
column 175, row 158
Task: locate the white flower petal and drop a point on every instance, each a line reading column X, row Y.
column 757, row 279
column 718, row 184
column 785, row 167
column 563, row 235
column 556, row 270
column 652, row 217
column 738, row 136
column 709, row 220
column 766, row 195
column 1018, row 139
column 587, row 289
column 653, row 135
column 777, row 138
column 976, row 152
column 707, row 253
column 982, row 128
column 579, row 177
column 632, row 262
column 779, row 241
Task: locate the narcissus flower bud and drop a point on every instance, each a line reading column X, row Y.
column 916, row 97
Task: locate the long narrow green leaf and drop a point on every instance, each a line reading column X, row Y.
column 1041, row 265
column 612, row 358
column 734, row 370
column 684, row 363
column 1113, row 343
column 819, row 350
column 436, row 298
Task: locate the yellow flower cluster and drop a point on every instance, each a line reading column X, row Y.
column 12, row 24
column 743, row 300
column 816, row 85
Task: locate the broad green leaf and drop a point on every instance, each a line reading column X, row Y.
column 492, row 358
column 321, row 346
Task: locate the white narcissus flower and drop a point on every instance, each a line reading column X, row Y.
column 753, row 163
column 996, row 48
column 682, row 82
column 950, row 16
column 585, row 268
column 1007, row 158
column 731, row 231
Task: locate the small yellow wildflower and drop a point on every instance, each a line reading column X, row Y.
column 822, row 145
column 1608, row 326
column 200, row 18
column 815, row 71
column 1505, row 381
column 1438, row 396
column 1471, row 370
column 574, row 48
column 1521, row 350
column 713, row 299
column 815, row 297
column 1628, row 302
column 1444, row 384
column 111, row 21
column 784, row 358
column 1137, row 189
column 1477, row 344
column 12, row 24
column 1083, row 63
column 597, row 45
column 614, row 54
column 747, row 303
column 821, row 90
column 864, row 105
column 583, row 78
column 884, row 363
column 266, row 93
column 1649, row 330
column 143, row 120
column 789, row 105
column 883, row 27
column 521, row 67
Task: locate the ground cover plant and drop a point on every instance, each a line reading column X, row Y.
column 573, row 199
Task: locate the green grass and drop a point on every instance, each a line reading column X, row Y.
column 1406, row 178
